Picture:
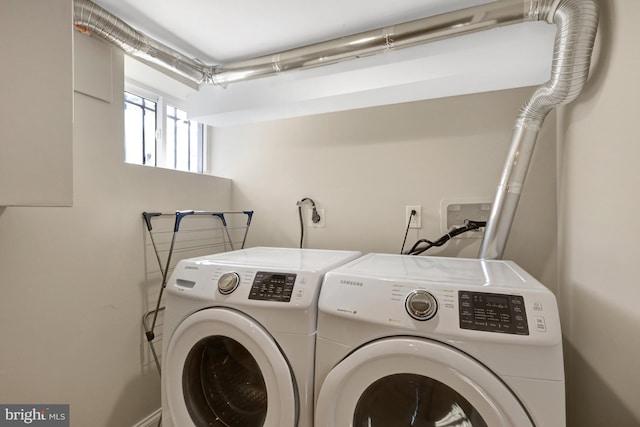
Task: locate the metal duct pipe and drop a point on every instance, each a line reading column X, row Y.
column 93, row 19
column 577, row 22
column 90, row 18
column 413, row 33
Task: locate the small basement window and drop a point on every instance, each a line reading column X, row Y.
column 140, row 124
column 159, row 134
column 183, row 141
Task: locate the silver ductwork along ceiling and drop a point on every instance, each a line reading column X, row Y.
column 576, row 21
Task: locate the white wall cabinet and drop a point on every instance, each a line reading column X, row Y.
column 36, row 102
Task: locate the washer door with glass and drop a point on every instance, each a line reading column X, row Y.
column 224, row 369
column 418, row 383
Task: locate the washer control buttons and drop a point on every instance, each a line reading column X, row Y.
column 228, row 283
column 271, row 286
column 421, row 305
column 483, row 311
column 541, row 325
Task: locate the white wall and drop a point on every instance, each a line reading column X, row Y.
column 599, row 179
column 363, row 167
column 73, row 279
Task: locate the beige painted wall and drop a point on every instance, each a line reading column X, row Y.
column 73, row 279
column 599, row 178
column 363, row 167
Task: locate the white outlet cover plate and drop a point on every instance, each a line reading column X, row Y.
column 418, row 218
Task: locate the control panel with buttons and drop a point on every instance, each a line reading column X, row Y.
column 494, row 313
column 269, row 286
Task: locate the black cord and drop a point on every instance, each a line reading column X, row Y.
column 413, row 212
column 468, row 226
column 315, row 217
column 301, row 225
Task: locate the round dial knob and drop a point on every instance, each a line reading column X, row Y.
column 421, row 305
column 228, row 283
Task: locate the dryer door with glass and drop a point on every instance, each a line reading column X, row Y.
column 224, row 369
column 415, row 382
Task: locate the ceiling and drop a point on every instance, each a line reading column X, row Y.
column 217, row 31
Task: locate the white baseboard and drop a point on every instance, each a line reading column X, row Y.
column 150, row 420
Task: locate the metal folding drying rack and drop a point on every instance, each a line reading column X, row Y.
column 176, row 238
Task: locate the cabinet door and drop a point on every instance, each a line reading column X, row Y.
column 36, row 102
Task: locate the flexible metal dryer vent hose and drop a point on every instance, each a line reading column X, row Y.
column 577, row 22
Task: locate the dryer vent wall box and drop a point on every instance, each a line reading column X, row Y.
column 454, row 213
column 239, row 330
column 484, row 334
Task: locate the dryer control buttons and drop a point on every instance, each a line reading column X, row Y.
column 228, row 283
column 421, row 305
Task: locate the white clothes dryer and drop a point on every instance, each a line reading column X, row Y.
column 239, row 337
column 431, row 341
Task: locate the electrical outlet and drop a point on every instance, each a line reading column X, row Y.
column 309, row 220
column 414, row 221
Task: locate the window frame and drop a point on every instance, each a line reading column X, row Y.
column 171, row 113
column 163, row 102
column 145, row 110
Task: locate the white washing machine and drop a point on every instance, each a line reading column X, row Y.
column 239, row 337
column 427, row 341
